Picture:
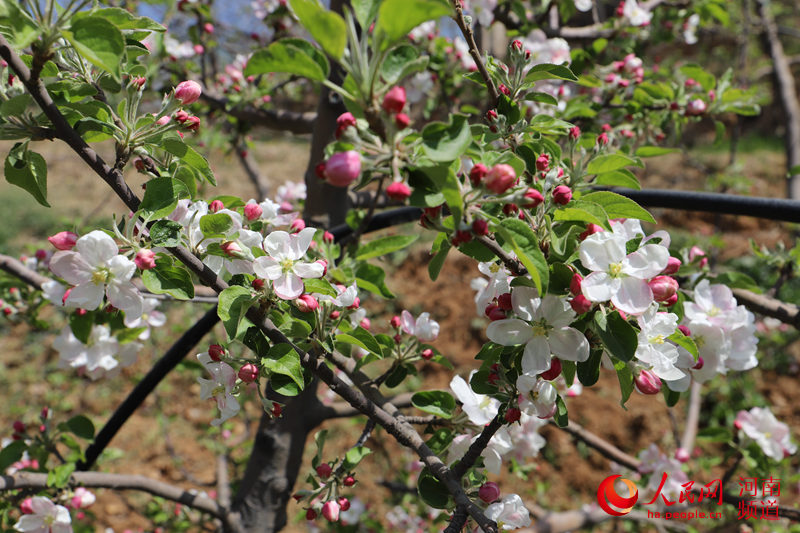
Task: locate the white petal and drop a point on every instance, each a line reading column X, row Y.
column 288, row 286
column 97, row 247
column 525, row 301
column 599, row 287
column 125, row 296
column 407, row 322
column 71, row 267
column 556, row 311
column 569, row 344
column 509, row 332
column 276, row 244
column 308, row 270
column 301, row 241
column 601, row 249
column 267, row 268
column 462, row 390
column 122, row 267
column 646, row 262
column 634, row 296
column 86, row 295
column 536, row 357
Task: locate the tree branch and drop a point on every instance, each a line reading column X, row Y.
column 466, row 31
column 268, row 118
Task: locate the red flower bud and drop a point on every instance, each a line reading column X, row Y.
column 343, row 168
column 395, row 100
column 215, row 352
column 145, row 259
column 480, row 227
column 398, row 191
column 489, row 492
column 500, row 178
column 248, row 373
column 477, row 173
column 562, row 195
column 427, row 354
column 543, row 162
column 663, row 287
column 504, row 301
column 580, row 304
column 575, row 284
column 188, row 92
column 647, row 382
column 215, row 206
column 349, row 481
column 253, row 211
column 401, row 120
column 324, row 470
column 307, row 303
column 685, row 330
column 591, row 229
column 699, row 364
column 673, row 264
column 63, row 240
column 534, row 198
column 574, row 132
column 257, row 284
column 311, row 514
column 554, row 371
column 512, row 415
column 330, row 510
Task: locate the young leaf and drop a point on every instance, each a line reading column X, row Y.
column 618, row 206
column 384, row 245
column 443, row 143
column 438, row 403
column 609, row 162
column 233, row 304
column 526, row 246
column 618, row 337
column 81, row 426
column 27, row 170
column 372, row 278
column 99, row 41
column 161, row 196
column 326, row 27
column 283, row 360
column 396, row 18
column 167, row 278
column 188, row 155
column 292, row 56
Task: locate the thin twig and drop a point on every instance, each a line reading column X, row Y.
column 466, row 31
column 692, row 418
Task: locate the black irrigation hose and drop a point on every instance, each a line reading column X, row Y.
column 170, row 360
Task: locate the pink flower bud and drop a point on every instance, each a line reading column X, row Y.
column 297, row 225
column 248, row 373
column 215, row 206
column 427, row 354
column 500, row 178
column 324, row 264
column 63, row 240
column 489, row 492
column 19, row 426
column 327, row 237
column 491, row 115
column 188, row 92
column 602, row 139
column 695, row 107
column 398, row 191
column 198, row 49
column 580, row 304
column 685, row 330
column 330, row 510
column 554, row 371
column 562, row 195
column 512, row 415
column 215, row 352
column 460, row 237
column 663, row 287
column 534, row 198
column 306, row 303
column 543, row 162
column 591, row 229
column 26, row 506
column 343, row 168
column 503, row 89
column 257, row 284
column 181, row 116
column 673, row 264
column 682, row 455
column 253, row 211
column 208, row 27
column 395, row 100
column 192, row 123
column 324, row 470
column 574, row 132
column 334, row 315
column 349, row 481
column 672, row 300
column 395, row 321
column 575, row 284
column 401, row 120
column 647, row 382
column 480, row 227
column 699, row 364
column 231, row 249
column 344, row 504
column 145, row 259
column 477, row 173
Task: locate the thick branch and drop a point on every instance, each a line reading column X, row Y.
column 764, row 305
column 193, row 499
column 16, row 268
column 477, row 447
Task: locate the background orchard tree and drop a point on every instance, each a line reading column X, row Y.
column 512, row 133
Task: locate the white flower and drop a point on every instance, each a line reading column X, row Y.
column 347, row 296
column 150, row 318
column 510, row 513
column 423, row 30
column 283, row 266
column 637, row 15
column 653, row 347
column 583, row 5
column 102, row 356
column 544, row 329
column 219, row 387
column 490, row 289
column 54, row 292
column 462, row 53
column 353, row 514
column 772, row 436
column 544, row 50
column 47, row 517
column 714, row 304
column 483, row 10
column 480, row 408
column 271, row 213
column 525, row 436
column 690, row 29
column 617, row 276
column 419, row 87
column 291, row 191
column 95, row 270
column 499, row 445
column 423, row 328
column 540, row 396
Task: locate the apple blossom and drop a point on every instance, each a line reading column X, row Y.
column 102, row 356
column 773, row 437
column 652, row 460
column 647, row 382
column 636, row 14
column 63, row 240
column 283, row 265
column 395, row 100
column 423, row 328
column 219, row 387
column 398, row 191
column 500, row 178
column 499, row 445
column 82, row 498
column 46, row 517
column 188, row 92
column 480, row 408
column 509, row 514
column 95, row 270
column 539, row 396
column 150, row 318
column 489, row 492
column 543, row 327
column 343, row 168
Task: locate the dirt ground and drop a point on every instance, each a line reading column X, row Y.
column 168, row 439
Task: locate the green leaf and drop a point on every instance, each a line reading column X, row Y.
column 354, row 456
column 619, row 338
column 161, row 196
column 699, row 74
column 326, row 27
column 609, row 162
column 319, row 286
column 125, row 20
column 687, row 343
column 625, row 377
column 738, row 280
column 396, row 18
column 283, row 360
column 365, row 11
column 618, row 178
column 432, row 491
column 16, row 105
column 589, row 370
column 654, row 151
column 99, row 41
column 81, row 326
column 618, row 206
column 81, row 427
column 526, row 246
column 400, row 62
column 437, row 262
column 397, row 376
column 561, row 418
column 437, row 403
column 27, row 170
column 167, row 278
column 292, row 56
column 166, row 233
column 11, row 454
column 548, row 71
column 372, row 278
column 59, row 476
column 18, row 26
column 216, row 224
column 542, row 98
column 671, row 397
column 581, row 211
column 717, row 434
column 443, row 143
column 233, row 305
column 384, row 245
column 363, row 338
column 188, row 155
